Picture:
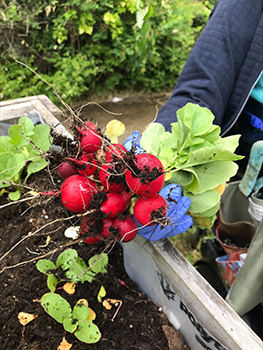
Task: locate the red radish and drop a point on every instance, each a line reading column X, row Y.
column 147, row 211
column 107, row 225
column 111, row 179
column 87, row 125
column 90, row 141
column 116, row 150
column 77, row 192
column 92, row 240
column 88, row 227
column 146, row 175
column 127, row 228
column 90, row 125
column 66, row 169
column 115, row 203
column 86, row 164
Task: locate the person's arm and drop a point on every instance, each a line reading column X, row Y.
column 209, row 74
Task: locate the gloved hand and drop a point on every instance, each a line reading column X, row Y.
column 177, row 208
column 133, row 142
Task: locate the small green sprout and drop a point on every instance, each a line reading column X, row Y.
column 77, row 321
column 70, row 267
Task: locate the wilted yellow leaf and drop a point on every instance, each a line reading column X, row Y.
column 114, row 129
column 3, row 191
column 83, row 301
column 24, row 318
column 108, row 303
column 48, row 239
column 69, row 287
column 64, row 345
column 221, row 188
column 91, row 316
column 101, row 294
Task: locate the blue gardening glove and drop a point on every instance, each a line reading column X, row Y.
column 179, row 222
column 133, row 142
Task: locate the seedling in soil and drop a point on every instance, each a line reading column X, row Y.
column 77, row 321
column 70, row 267
column 22, row 153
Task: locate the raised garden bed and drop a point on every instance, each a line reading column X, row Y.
column 192, row 306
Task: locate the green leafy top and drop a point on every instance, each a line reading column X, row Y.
column 195, row 156
column 73, row 267
column 25, row 147
column 74, row 321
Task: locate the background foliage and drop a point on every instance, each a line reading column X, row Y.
column 84, row 47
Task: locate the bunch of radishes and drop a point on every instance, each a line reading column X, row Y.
column 101, row 181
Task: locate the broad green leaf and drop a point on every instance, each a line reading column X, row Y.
column 213, row 134
column 45, row 265
column 70, row 14
column 16, row 137
column 183, row 131
column 4, row 144
column 192, row 141
column 209, row 154
column 70, row 324
column 213, row 174
column 56, row 306
column 88, row 332
column 181, row 177
column 41, row 137
column 150, row 138
column 194, row 186
column 76, row 272
column 168, row 140
column 3, row 164
column 84, row 28
column 196, row 119
column 166, row 155
column 32, row 153
column 14, row 196
column 52, row 282
column 35, row 166
column 99, row 263
column 140, row 15
column 27, row 126
column 212, row 211
column 66, row 258
column 228, row 143
column 149, row 13
column 182, row 158
column 176, row 134
column 15, row 164
column 202, row 202
column 196, row 147
column 81, row 310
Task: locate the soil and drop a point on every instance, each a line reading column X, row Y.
column 139, row 323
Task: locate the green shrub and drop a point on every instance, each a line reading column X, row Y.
column 84, row 47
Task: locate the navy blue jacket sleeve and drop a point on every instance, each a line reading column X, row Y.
column 209, row 75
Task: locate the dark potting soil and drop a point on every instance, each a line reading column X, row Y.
column 24, row 228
